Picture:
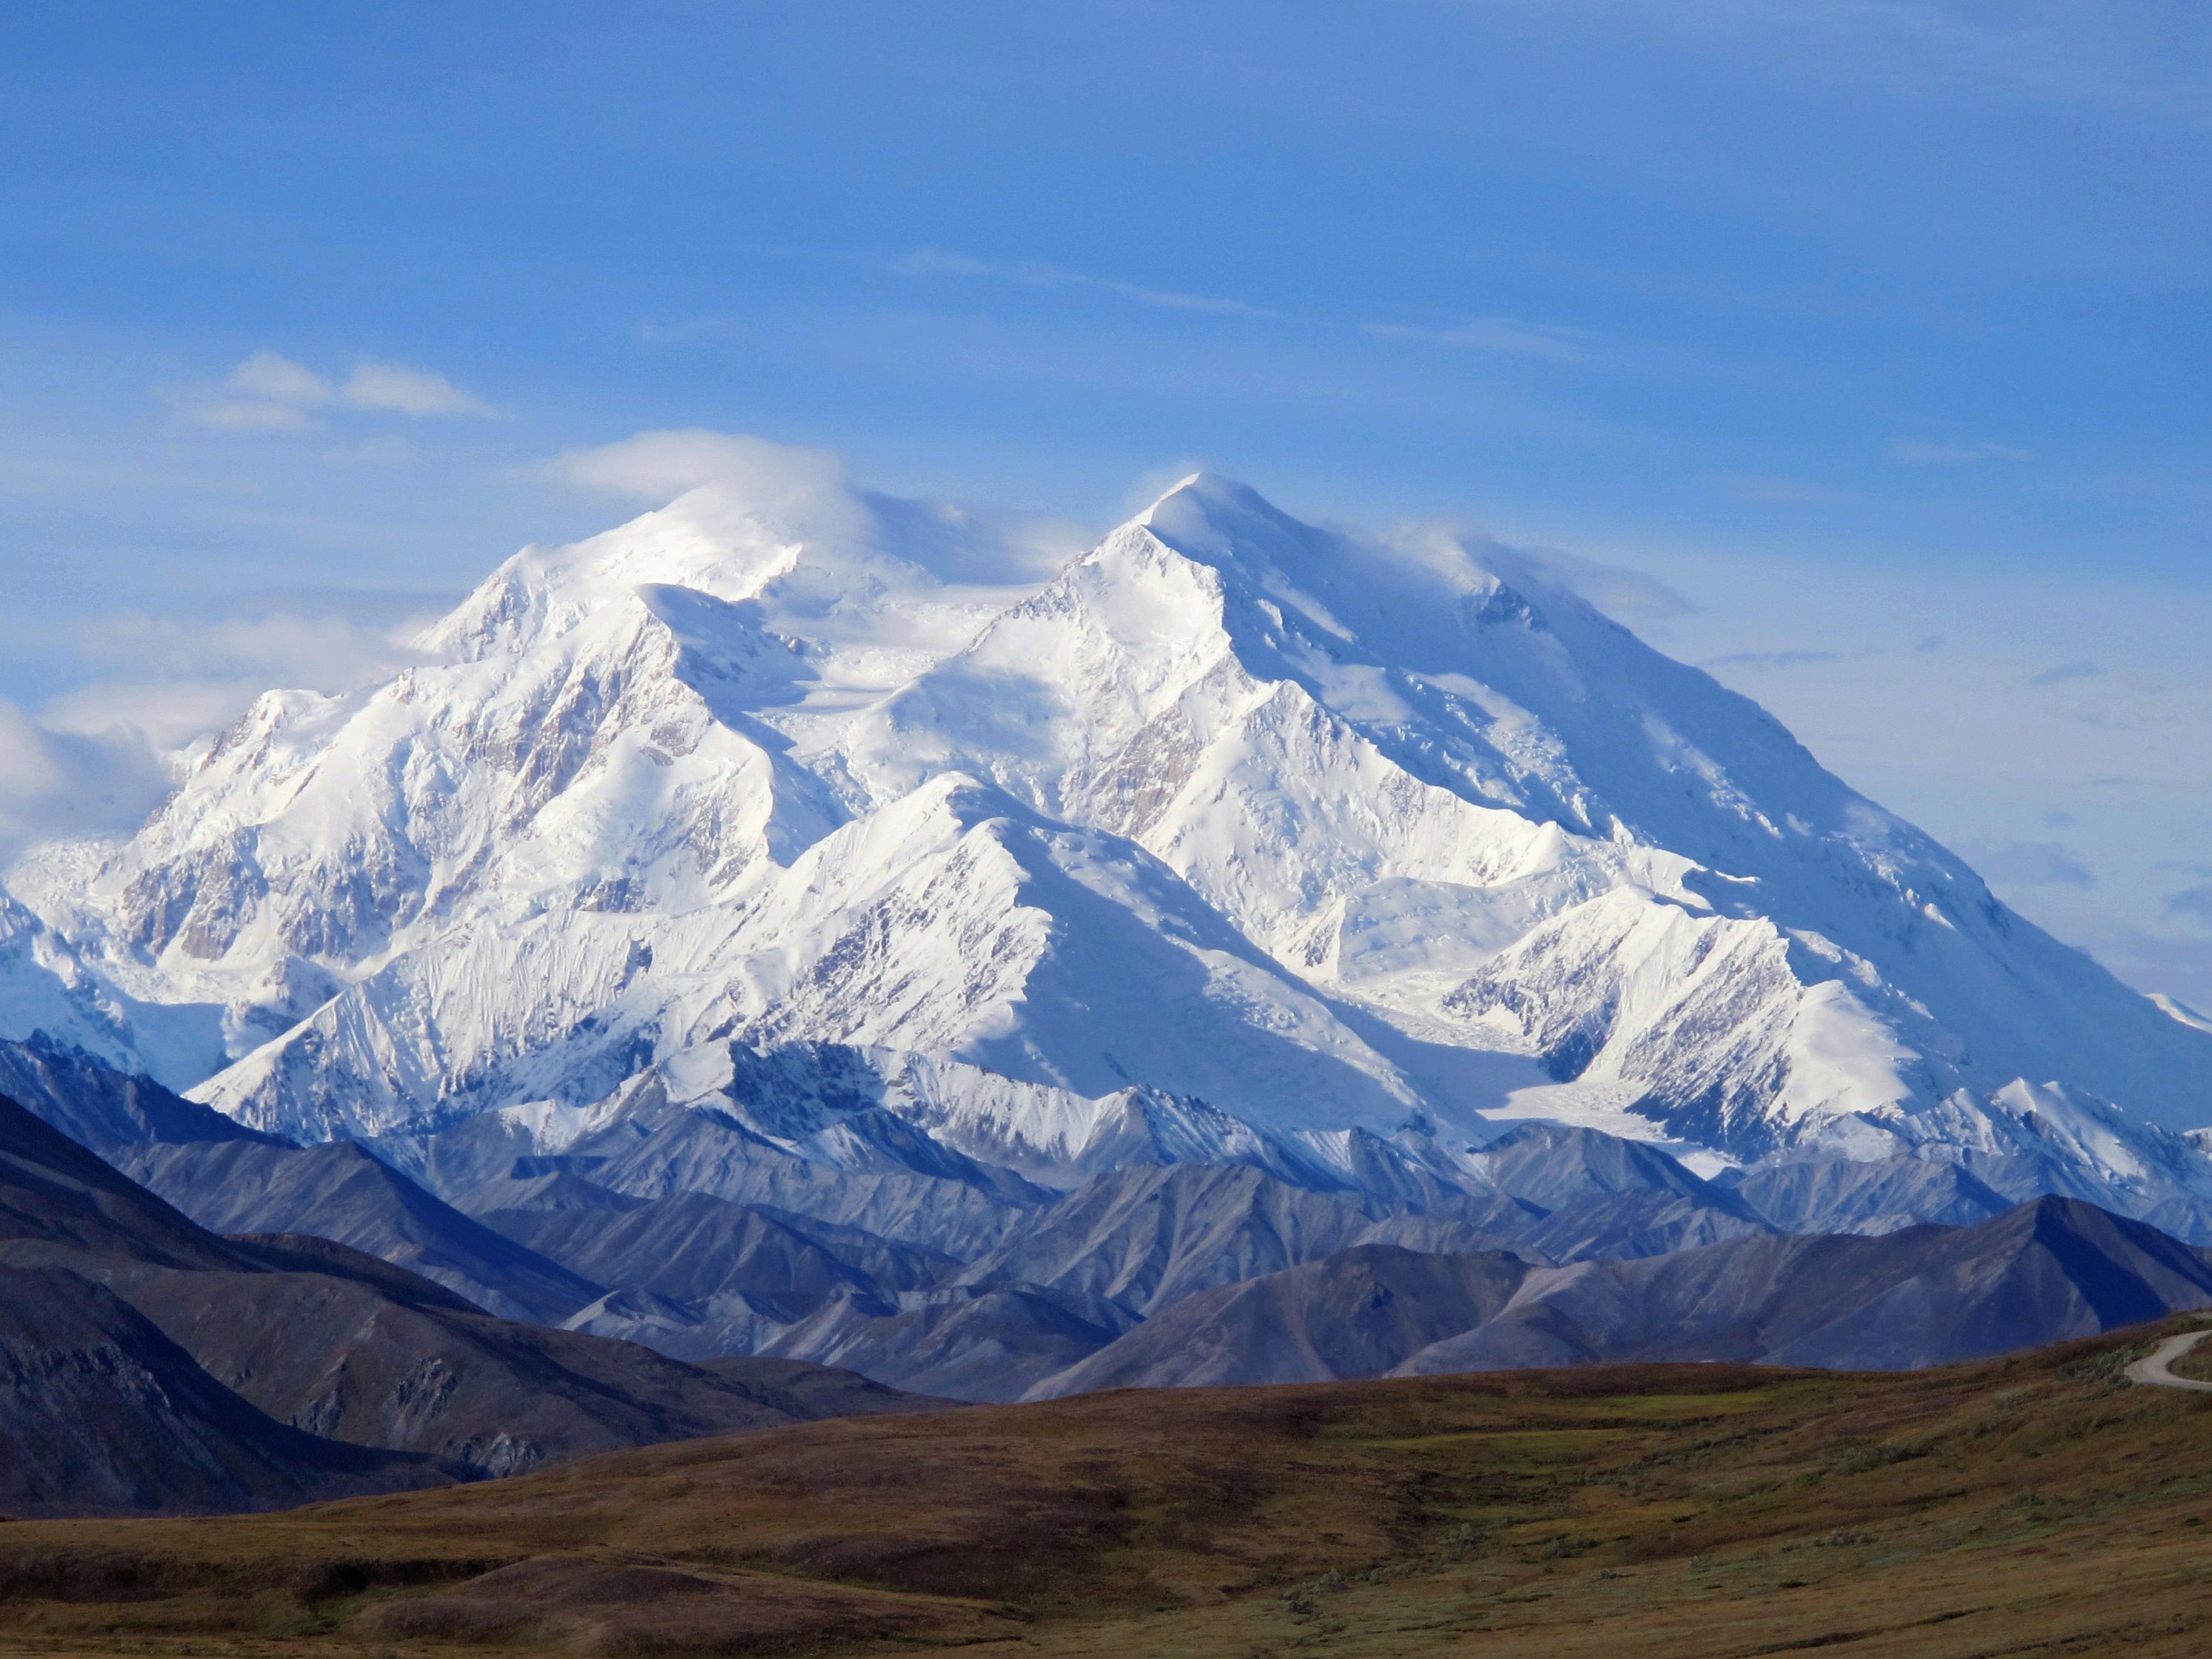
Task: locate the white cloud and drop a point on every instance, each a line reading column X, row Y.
column 266, row 393
column 280, row 380
column 232, row 415
column 1619, row 592
column 1036, row 273
column 311, row 652
column 269, row 392
column 58, row 783
column 97, row 760
column 1555, row 341
column 413, row 391
column 107, row 750
column 1914, row 452
column 807, row 493
column 656, row 466
column 1626, row 594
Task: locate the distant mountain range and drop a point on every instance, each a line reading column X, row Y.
column 279, row 1343
column 147, row 1364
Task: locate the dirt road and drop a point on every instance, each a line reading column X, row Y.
column 2157, row 1366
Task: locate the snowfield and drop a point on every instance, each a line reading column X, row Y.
column 1237, row 840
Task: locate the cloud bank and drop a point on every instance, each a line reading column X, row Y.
column 97, row 760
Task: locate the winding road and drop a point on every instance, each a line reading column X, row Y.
column 2158, row 1365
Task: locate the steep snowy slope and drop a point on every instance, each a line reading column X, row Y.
column 1392, row 771
column 1236, row 841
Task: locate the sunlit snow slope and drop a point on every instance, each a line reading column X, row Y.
column 1320, row 830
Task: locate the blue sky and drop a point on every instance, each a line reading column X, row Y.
column 1874, row 329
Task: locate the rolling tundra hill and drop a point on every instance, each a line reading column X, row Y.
column 2037, row 1503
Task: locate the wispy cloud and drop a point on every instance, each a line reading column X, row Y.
column 270, row 379
column 2139, row 55
column 56, row 784
column 97, row 760
column 2191, row 905
column 417, row 392
column 659, row 465
column 1780, row 492
column 1915, row 451
column 2016, row 864
column 172, row 681
column 1617, row 590
column 1555, row 341
column 1036, row 273
column 1772, row 659
column 2068, row 670
column 269, row 392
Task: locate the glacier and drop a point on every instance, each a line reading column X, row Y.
column 1235, row 840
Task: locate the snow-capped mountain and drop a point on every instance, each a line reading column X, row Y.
column 1236, row 835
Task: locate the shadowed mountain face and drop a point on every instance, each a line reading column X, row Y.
column 2044, row 1272
column 1145, row 1238
column 100, row 1414
column 331, row 1342
column 2041, row 1272
column 1066, row 1279
column 106, row 1110
column 59, row 1203
column 147, row 1363
column 694, row 1246
column 1356, row 1314
column 339, row 1191
column 101, row 1410
column 1878, row 1196
column 230, row 1179
column 1161, row 1271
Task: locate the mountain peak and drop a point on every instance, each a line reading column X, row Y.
column 1322, row 827
column 1221, row 521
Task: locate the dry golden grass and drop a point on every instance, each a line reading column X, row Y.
column 2037, row 1505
